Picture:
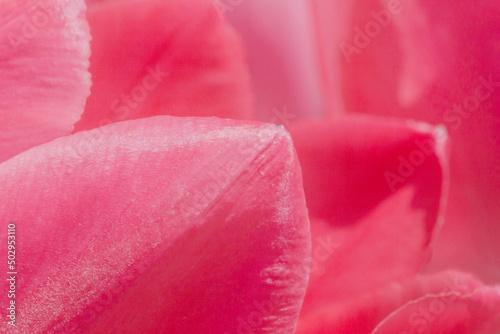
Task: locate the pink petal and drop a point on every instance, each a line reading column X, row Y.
column 447, row 313
column 438, row 62
column 470, row 239
column 163, row 225
column 330, row 19
column 280, row 43
column 361, row 314
column 44, row 51
column 376, row 211
column 390, row 55
column 164, row 57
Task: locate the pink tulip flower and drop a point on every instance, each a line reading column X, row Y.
column 153, row 225
column 126, row 208
column 416, row 61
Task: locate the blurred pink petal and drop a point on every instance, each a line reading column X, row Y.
column 44, row 51
column 390, row 55
column 331, row 23
column 375, row 188
column 167, row 225
column 470, row 238
column 437, row 62
column 164, row 57
column 452, row 312
column 280, row 43
column 362, row 313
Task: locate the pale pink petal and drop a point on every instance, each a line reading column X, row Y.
column 162, row 225
column 44, row 51
column 331, row 22
column 280, row 45
column 164, row 57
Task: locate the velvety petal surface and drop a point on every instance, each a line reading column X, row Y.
column 375, row 188
column 44, row 52
column 164, row 57
column 437, row 62
column 362, row 314
column 161, row 225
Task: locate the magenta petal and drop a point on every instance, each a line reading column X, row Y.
column 476, row 312
column 361, row 314
column 437, row 62
column 44, row 48
column 162, row 225
column 164, row 58
column 376, row 189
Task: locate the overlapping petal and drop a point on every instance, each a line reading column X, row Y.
column 438, row 63
column 44, row 52
column 161, row 225
column 450, row 312
column 164, row 57
column 375, row 188
column 362, row 314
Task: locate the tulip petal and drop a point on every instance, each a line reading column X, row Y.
column 469, row 240
column 375, row 188
column 437, row 62
column 447, row 313
column 390, row 55
column 280, row 43
column 44, row 49
column 163, row 225
column 362, row 314
column 331, row 21
column 163, row 57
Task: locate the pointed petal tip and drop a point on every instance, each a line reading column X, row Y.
column 193, row 199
